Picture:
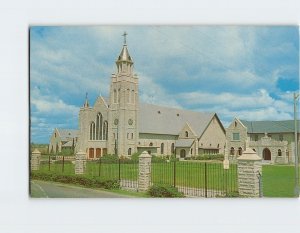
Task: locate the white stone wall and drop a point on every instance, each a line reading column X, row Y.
column 248, row 177
column 144, row 172
column 236, row 127
column 55, row 140
column 213, row 137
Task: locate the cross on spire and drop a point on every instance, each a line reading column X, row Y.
column 124, row 34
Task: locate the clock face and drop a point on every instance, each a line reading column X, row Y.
column 116, row 121
column 130, row 121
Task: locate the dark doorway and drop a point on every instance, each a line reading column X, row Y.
column 266, row 154
column 182, row 153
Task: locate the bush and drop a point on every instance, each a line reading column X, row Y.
column 210, row 157
column 110, row 159
column 164, row 191
column 231, row 194
column 93, row 182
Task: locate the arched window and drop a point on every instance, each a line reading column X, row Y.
column 132, row 96
column 172, row 148
column 99, row 127
column 128, row 95
column 119, row 95
column 129, row 151
column 131, row 135
column 186, row 134
column 240, row 150
column 92, row 131
column 231, row 151
column 279, row 152
column 235, row 124
column 162, row 148
column 115, row 96
column 150, row 144
column 105, row 130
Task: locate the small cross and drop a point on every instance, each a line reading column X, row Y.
column 125, row 34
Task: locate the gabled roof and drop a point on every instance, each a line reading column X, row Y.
column 286, row 126
column 68, row 144
column 67, row 133
column 184, row 142
column 164, row 120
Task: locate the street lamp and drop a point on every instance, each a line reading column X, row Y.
column 296, row 97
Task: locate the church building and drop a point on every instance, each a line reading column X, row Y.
column 122, row 125
column 273, row 141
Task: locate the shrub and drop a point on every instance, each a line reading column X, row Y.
column 109, row 159
column 164, row 191
column 231, row 194
column 93, row 182
column 210, row 157
column 158, row 159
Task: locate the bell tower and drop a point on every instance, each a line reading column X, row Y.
column 123, row 108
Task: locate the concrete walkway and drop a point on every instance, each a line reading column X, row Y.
column 45, row 189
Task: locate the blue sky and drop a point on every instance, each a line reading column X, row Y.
column 249, row 72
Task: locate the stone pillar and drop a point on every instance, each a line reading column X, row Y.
column 35, row 160
column 249, row 173
column 144, row 172
column 80, row 162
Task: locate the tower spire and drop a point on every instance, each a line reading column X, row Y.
column 86, row 103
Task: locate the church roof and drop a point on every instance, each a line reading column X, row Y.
column 65, row 134
column 184, row 142
column 68, row 144
column 286, row 126
column 164, row 120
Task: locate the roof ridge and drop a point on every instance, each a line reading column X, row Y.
column 180, row 109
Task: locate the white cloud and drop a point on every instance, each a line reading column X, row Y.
column 150, row 92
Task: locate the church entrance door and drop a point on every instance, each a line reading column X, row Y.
column 98, row 152
column 91, row 153
column 266, row 154
column 182, row 153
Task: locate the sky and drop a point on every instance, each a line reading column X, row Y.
column 248, row 72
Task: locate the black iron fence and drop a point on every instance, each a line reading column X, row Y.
column 202, row 179
column 124, row 170
column 193, row 178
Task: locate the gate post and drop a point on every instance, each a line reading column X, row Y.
column 80, row 162
column 249, row 172
column 35, row 160
column 144, row 172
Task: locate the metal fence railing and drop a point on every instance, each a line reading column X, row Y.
column 126, row 171
column 201, row 179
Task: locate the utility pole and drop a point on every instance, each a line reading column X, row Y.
column 296, row 97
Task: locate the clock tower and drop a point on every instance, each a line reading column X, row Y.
column 123, row 107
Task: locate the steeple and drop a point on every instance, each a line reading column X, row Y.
column 124, row 62
column 86, row 103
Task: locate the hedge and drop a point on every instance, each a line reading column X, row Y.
column 164, row 191
column 92, row 182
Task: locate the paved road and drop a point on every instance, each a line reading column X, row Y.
column 46, row 189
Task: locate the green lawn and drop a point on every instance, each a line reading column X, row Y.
column 278, row 180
